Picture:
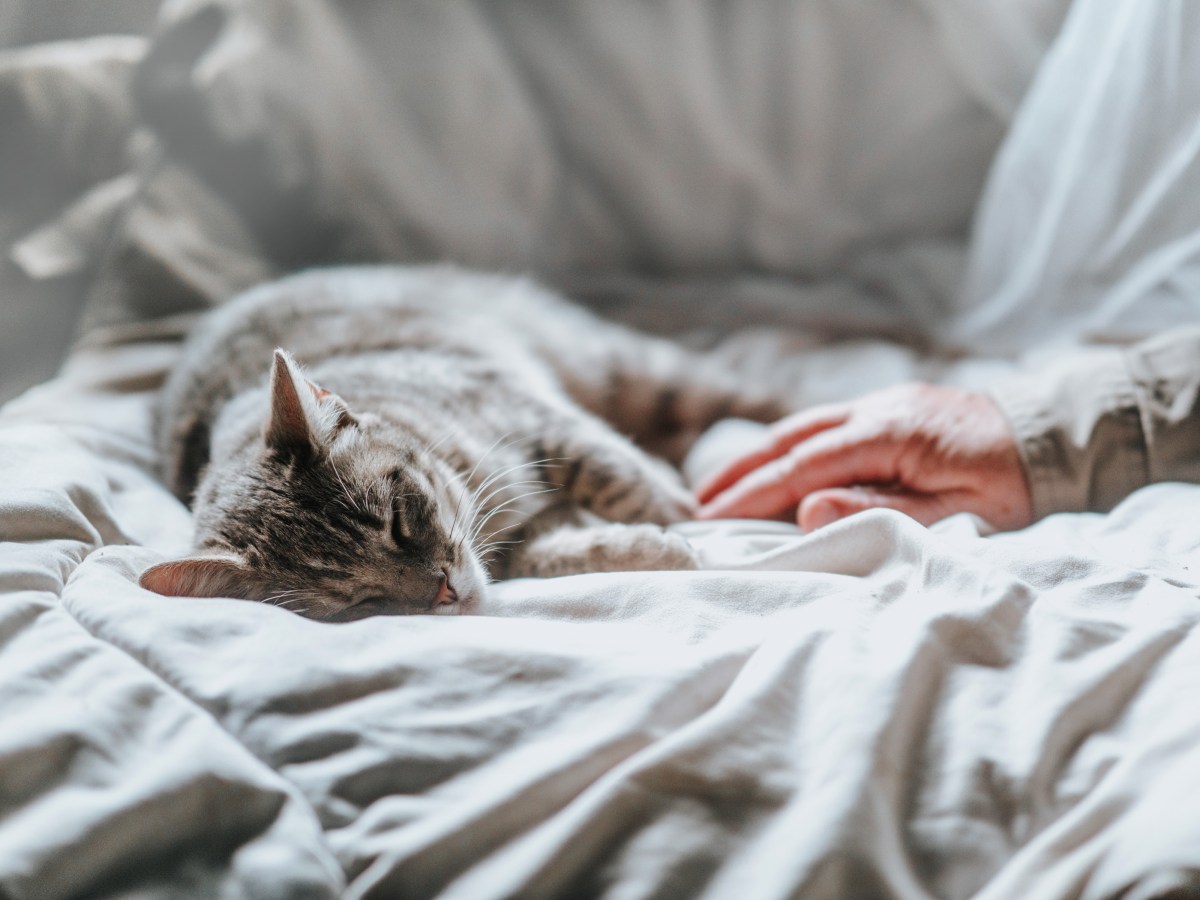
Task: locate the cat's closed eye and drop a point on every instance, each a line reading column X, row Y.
column 374, row 602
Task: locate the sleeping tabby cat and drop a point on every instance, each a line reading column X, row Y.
column 447, row 428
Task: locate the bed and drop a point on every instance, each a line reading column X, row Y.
column 874, row 709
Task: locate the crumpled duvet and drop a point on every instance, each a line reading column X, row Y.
column 876, row 709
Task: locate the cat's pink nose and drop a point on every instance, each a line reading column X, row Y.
column 446, row 593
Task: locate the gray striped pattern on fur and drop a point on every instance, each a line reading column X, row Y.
column 441, row 428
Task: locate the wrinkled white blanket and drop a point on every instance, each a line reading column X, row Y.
column 875, row 709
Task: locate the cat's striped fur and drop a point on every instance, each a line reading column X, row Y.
column 439, row 413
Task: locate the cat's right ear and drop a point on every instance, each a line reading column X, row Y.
column 198, row 576
column 304, row 416
column 288, row 427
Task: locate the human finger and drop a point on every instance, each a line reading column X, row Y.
column 764, row 493
column 778, row 440
column 835, row 458
column 824, row 507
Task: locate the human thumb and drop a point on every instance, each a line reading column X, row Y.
column 824, row 507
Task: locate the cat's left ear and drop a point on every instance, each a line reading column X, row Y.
column 198, row 576
column 304, row 416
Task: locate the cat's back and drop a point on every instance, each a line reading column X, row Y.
column 325, row 313
column 321, row 312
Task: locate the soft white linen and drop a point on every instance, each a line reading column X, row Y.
column 877, row 709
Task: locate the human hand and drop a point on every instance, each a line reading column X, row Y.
column 924, row 450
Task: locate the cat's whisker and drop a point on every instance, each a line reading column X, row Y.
column 495, row 547
column 500, row 543
column 463, row 490
column 304, row 601
column 482, row 504
column 449, row 433
column 298, row 610
column 471, row 474
column 510, row 469
column 492, row 513
column 488, row 452
column 487, row 546
column 285, row 593
column 502, row 472
column 481, row 523
column 496, row 492
column 501, row 530
column 491, row 479
column 500, row 490
column 465, row 483
column 288, row 600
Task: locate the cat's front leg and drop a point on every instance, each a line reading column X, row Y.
column 575, row 550
column 604, row 473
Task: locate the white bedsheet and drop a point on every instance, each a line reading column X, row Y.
column 877, row 709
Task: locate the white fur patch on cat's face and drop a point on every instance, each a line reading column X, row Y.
column 469, row 586
column 458, row 513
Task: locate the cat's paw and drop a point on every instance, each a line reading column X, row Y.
column 667, row 505
column 635, row 548
column 604, row 548
column 655, row 549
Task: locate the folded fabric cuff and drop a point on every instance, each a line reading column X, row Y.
column 1079, row 431
column 1165, row 371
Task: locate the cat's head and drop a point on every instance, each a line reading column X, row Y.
column 333, row 515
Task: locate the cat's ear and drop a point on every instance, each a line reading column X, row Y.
column 303, row 415
column 335, row 411
column 198, row 576
column 288, row 429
